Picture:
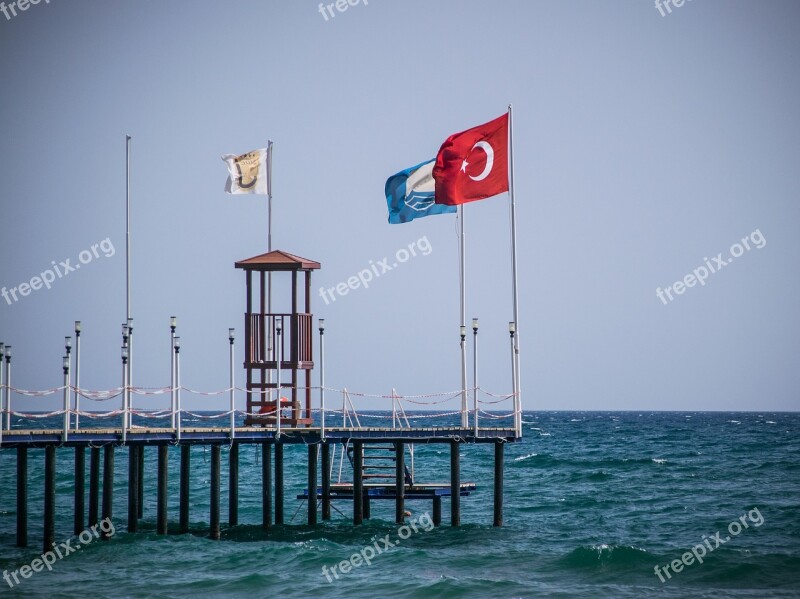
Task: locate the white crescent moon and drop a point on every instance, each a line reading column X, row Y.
column 489, row 160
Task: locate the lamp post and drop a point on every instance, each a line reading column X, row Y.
column 2, row 388
column 130, row 367
column 278, row 382
column 173, row 324
column 233, row 392
column 124, row 392
column 177, row 417
column 475, row 370
column 322, row 378
column 65, row 365
column 77, row 373
column 8, row 387
column 67, row 390
column 512, row 331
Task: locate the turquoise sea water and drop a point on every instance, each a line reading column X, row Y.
column 593, row 502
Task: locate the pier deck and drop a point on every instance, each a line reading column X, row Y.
column 222, row 435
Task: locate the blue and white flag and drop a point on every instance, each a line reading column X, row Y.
column 410, row 194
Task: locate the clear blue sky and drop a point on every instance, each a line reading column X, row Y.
column 644, row 145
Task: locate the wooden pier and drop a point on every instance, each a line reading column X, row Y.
column 137, row 441
column 276, row 345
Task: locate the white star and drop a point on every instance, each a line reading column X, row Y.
column 464, row 166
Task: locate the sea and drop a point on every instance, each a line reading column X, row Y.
column 597, row 504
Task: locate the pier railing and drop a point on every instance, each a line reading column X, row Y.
column 391, row 412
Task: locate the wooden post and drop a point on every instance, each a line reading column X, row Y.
column 80, row 490
column 326, row 481
column 358, row 482
column 437, row 510
column 49, row 497
column 367, row 506
column 133, row 488
column 215, row 458
column 94, row 485
column 279, row 482
column 499, row 448
column 312, row 485
column 140, row 478
column 399, row 483
column 108, row 485
column 266, row 485
column 161, row 509
column 22, row 496
column 233, row 486
column 186, row 465
column 455, row 485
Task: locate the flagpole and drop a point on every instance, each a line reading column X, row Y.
column 127, row 227
column 514, row 289
column 269, row 274
column 462, row 277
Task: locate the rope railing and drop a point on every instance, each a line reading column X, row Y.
column 390, row 416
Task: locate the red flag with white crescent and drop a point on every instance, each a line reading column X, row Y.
column 473, row 165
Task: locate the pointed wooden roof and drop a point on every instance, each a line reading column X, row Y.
column 277, row 260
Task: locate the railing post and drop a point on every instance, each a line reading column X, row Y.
column 322, row 378
column 77, row 374
column 66, row 399
column 475, row 371
column 278, row 384
column 124, row 393
column 178, row 388
column 232, row 384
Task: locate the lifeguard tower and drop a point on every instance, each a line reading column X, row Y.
column 270, row 337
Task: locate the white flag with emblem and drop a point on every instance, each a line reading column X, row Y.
column 248, row 173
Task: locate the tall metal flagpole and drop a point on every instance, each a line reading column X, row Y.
column 463, row 273
column 514, row 290
column 127, row 227
column 269, row 274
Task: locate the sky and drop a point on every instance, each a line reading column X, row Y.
column 648, row 143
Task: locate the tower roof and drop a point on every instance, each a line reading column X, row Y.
column 277, row 260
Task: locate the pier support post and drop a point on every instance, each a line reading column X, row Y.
column 140, row 478
column 233, row 486
column 367, row 506
column 94, row 485
column 278, row 483
column 215, row 459
column 399, row 483
column 133, row 488
column 163, row 477
column 49, row 497
column 80, row 490
column 312, row 485
column 499, row 449
column 326, row 481
column 455, row 485
column 266, row 485
column 22, row 496
column 186, row 465
column 358, row 482
column 437, row 510
column 108, row 485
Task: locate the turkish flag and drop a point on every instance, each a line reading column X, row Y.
column 473, row 165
